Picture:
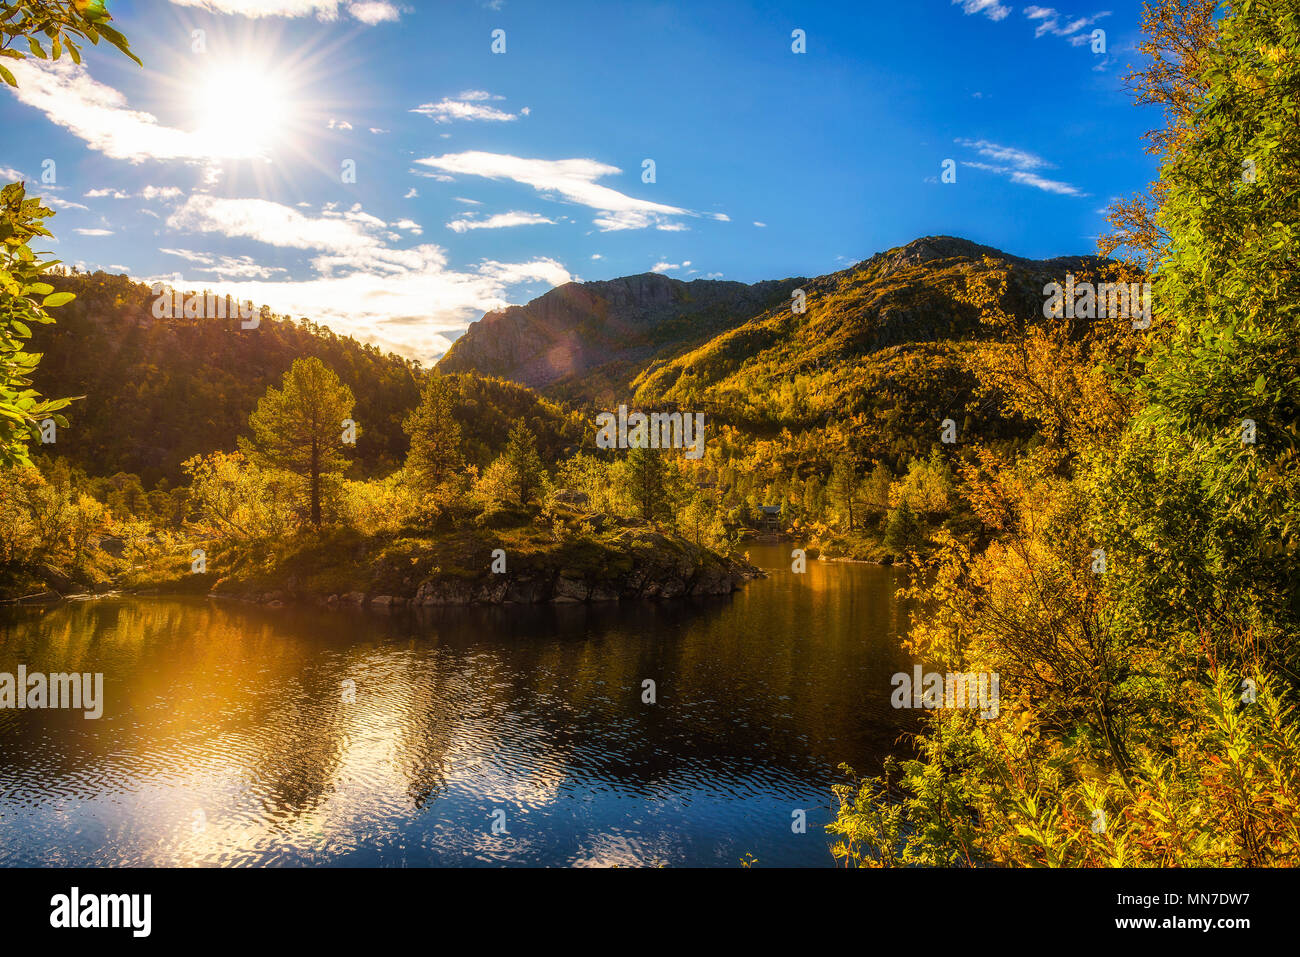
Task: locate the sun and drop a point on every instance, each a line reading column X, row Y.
column 241, row 109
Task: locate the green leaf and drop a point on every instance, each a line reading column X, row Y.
column 58, row 299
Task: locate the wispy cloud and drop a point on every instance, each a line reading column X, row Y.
column 499, row 221
column 148, row 192
column 1051, row 21
column 1005, row 154
column 572, row 179
column 990, row 8
column 234, row 267
column 1017, row 165
column 469, row 105
column 367, row 11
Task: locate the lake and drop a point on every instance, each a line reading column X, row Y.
column 237, row 734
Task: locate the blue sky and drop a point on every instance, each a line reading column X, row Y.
column 485, row 178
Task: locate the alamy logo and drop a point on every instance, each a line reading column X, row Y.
column 134, row 911
column 1085, row 300
column 37, row 691
column 173, row 304
column 658, row 430
column 934, row 689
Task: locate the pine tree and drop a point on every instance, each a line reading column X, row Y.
column 644, row 479
column 435, row 436
column 298, row 427
column 525, row 464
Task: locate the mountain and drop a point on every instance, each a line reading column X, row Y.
column 879, row 348
column 594, row 341
column 878, row 354
column 587, row 341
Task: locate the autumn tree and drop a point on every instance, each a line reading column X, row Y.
column 300, row 427
column 24, row 296
column 1176, row 39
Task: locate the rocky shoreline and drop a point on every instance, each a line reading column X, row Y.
column 643, row 565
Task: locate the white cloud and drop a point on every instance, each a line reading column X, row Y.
column 570, row 179
column 1050, row 21
column 99, row 115
column 275, row 224
column 1004, row 154
column 93, row 232
column 364, row 10
column 439, row 177
column 339, row 124
column 63, row 203
column 161, row 192
column 499, row 221
column 149, row 192
column 990, row 8
column 405, row 300
column 597, row 256
column 1017, row 165
column 469, row 105
column 234, row 267
column 410, row 225
column 371, row 12
column 760, row 225
column 468, row 202
column 411, row 193
column 9, row 174
column 668, row 267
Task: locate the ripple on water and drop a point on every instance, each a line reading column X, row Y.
column 227, row 738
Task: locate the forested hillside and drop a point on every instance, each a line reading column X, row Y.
column 160, row 390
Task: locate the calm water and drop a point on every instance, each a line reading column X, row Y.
column 226, row 738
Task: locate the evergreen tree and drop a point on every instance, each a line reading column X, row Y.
column 525, row 464
column 299, row 427
column 843, row 490
column 435, row 436
column 902, row 530
column 645, row 480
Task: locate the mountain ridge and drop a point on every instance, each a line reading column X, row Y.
column 601, row 341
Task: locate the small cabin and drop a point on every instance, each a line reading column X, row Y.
column 770, row 516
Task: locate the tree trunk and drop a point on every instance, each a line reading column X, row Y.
column 315, row 484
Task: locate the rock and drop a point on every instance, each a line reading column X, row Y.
column 56, row 579
column 354, row 598
column 447, row 592
column 525, row 591
column 570, row 589
column 570, row 497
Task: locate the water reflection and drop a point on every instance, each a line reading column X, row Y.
column 228, row 736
